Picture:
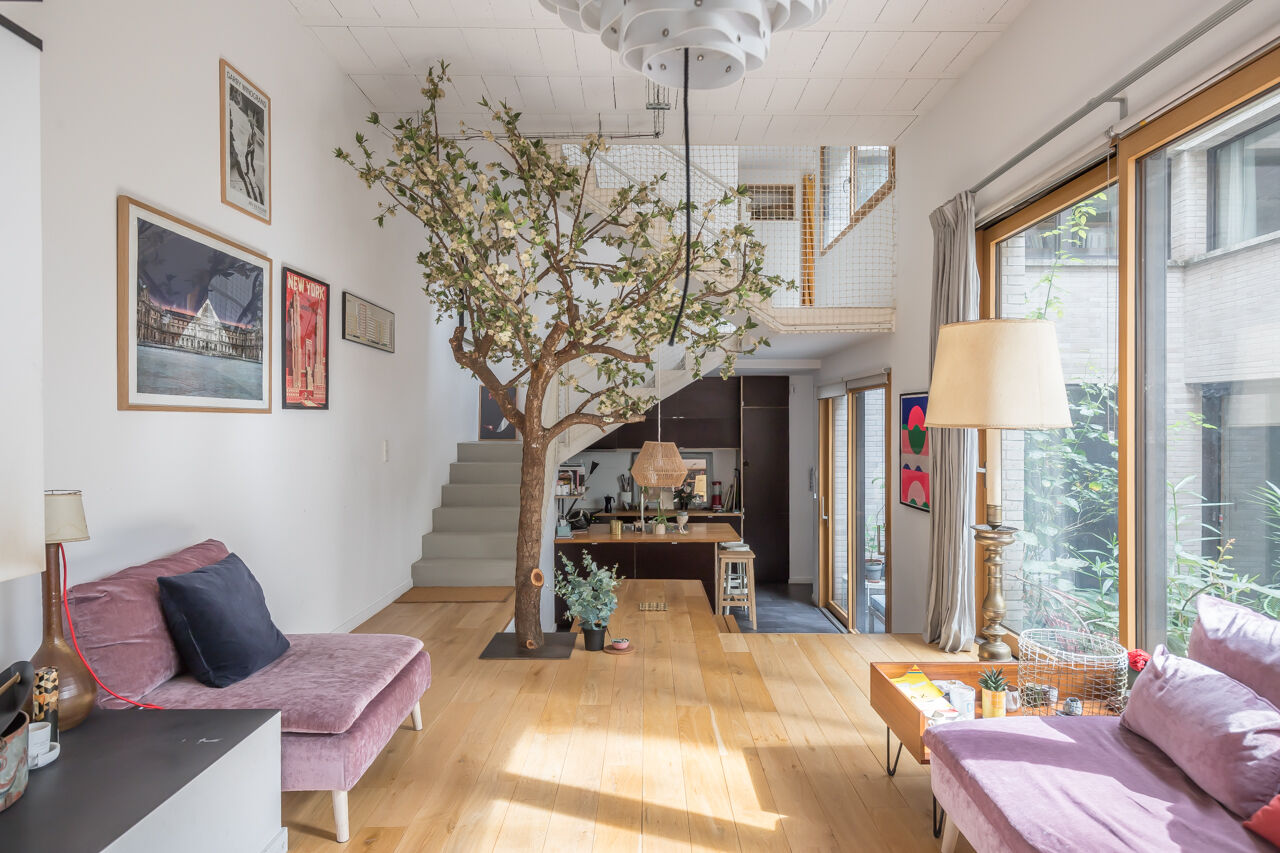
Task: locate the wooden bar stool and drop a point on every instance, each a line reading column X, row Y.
column 736, row 582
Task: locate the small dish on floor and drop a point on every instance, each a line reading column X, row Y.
column 610, row 650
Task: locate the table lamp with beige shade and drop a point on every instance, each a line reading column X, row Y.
column 994, row 375
column 63, row 522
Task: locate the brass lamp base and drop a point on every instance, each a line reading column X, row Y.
column 994, row 536
column 76, row 687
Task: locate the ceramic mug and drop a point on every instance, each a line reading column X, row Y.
column 38, row 737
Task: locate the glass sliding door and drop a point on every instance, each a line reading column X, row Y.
column 870, row 539
column 838, row 578
column 1208, row 208
column 854, row 524
column 1060, row 486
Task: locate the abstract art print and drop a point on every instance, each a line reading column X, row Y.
column 305, row 341
column 246, row 144
column 913, row 485
column 494, row 425
column 194, row 310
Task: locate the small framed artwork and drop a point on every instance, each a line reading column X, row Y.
column 368, row 324
column 494, row 425
column 913, row 454
column 246, row 143
column 304, row 339
column 193, row 316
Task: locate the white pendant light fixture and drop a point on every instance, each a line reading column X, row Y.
column 725, row 38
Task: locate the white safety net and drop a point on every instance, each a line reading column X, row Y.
column 827, row 216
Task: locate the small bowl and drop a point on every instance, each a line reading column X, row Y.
column 620, row 643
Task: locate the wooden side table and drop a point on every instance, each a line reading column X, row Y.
column 903, row 720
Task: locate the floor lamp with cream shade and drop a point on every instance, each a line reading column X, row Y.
column 994, row 375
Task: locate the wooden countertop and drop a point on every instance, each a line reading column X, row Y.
column 698, row 534
column 648, row 514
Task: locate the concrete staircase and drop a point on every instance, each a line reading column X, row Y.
column 473, row 532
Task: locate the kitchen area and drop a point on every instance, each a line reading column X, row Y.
column 733, row 438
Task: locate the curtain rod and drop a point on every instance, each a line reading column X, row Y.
column 1116, row 88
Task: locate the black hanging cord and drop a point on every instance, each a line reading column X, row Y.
column 688, row 205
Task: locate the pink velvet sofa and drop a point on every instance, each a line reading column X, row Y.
column 340, row 696
column 1030, row 783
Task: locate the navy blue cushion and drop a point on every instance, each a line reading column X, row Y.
column 219, row 621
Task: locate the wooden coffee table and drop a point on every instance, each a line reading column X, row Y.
column 902, row 719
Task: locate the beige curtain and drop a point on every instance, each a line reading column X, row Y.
column 808, row 239
column 950, row 615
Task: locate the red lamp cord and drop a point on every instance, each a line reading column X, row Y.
column 66, row 609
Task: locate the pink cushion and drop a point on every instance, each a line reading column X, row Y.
column 320, row 685
column 1217, row 730
column 1238, row 642
column 1027, row 784
column 1266, row 821
column 121, row 628
column 336, row 762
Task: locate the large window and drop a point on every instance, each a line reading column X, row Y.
column 1160, row 269
column 1060, row 486
column 1211, row 358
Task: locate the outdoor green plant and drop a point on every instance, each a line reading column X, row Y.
column 551, row 290
column 993, row 679
column 588, row 590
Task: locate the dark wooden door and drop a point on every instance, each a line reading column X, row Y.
column 766, row 498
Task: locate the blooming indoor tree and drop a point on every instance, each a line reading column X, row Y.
column 549, row 287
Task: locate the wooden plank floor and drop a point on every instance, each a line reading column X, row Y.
column 701, row 740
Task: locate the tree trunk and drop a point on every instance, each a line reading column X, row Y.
column 529, row 576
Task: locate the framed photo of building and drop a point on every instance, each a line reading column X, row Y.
column 194, row 310
column 245, row 144
column 494, row 425
column 913, row 452
column 368, row 324
column 304, row 348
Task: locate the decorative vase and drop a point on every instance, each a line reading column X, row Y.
column 659, row 530
column 76, row 688
column 682, row 518
column 993, row 703
column 593, row 639
column 13, row 761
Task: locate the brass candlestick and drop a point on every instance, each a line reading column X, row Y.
column 994, row 536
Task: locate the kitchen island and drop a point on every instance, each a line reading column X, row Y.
column 646, row 556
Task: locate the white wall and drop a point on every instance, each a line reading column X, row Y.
column 1047, row 64
column 21, row 427
column 130, row 105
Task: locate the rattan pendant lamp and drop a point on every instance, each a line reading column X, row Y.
column 658, row 465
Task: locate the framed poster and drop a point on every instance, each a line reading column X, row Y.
column 246, row 143
column 304, row 348
column 193, row 315
column 368, row 324
column 494, row 425
column 913, row 454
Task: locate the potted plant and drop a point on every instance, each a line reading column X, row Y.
column 588, row 592
column 994, row 692
column 660, row 523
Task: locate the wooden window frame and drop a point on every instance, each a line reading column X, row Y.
column 862, row 211
column 1249, row 81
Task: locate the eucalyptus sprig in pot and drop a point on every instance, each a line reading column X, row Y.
column 588, row 593
column 995, row 691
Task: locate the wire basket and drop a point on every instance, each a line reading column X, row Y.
column 1070, row 673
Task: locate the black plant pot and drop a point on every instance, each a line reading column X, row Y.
column 593, row 639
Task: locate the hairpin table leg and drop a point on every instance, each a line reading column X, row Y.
column 939, row 817
column 891, row 768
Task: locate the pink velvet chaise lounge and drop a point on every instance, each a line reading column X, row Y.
column 340, row 696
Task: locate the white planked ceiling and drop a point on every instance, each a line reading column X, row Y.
column 860, row 76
